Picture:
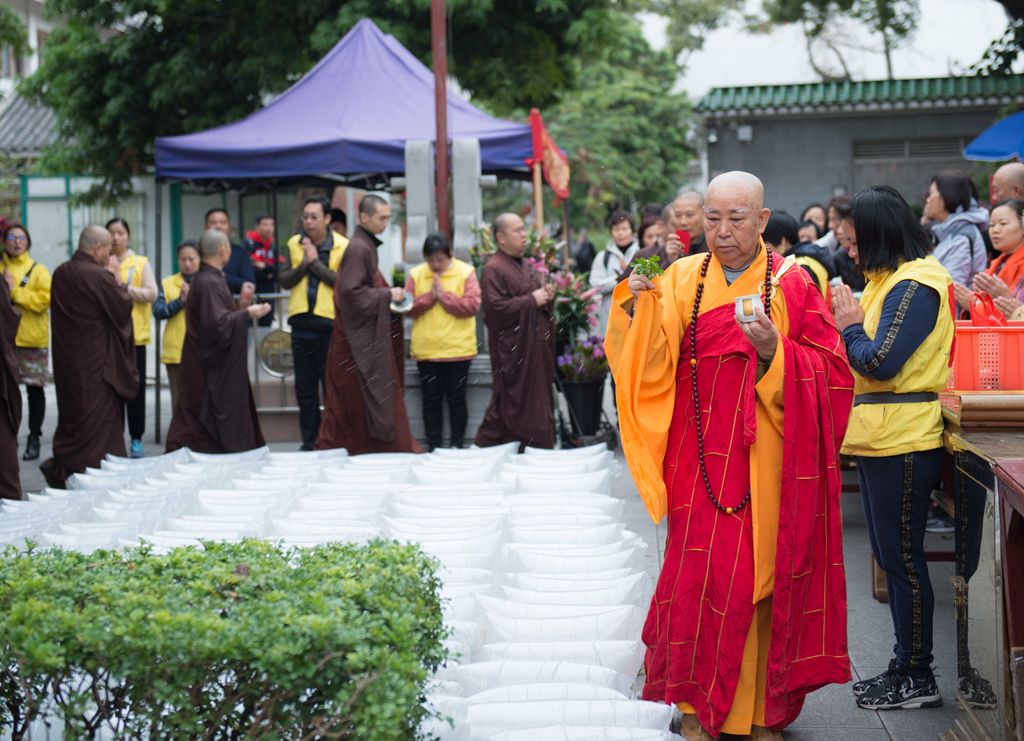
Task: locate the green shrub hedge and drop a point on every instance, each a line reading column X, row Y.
column 242, row 640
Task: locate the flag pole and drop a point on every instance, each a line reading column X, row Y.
column 538, row 199
column 439, row 45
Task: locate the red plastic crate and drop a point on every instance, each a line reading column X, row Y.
column 988, row 358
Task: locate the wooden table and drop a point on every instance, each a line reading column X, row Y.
column 983, row 462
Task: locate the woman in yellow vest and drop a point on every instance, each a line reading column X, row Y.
column 29, row 282
column 138, row 278
column 170, row 306
column 446, row 299
column 898, row 339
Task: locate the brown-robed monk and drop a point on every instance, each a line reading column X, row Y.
column 10, row 398
column 517, row 312
column 94, row 367
column 215, row 412
column 364, row 410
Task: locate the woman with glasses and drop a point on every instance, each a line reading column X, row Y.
column 29, row 284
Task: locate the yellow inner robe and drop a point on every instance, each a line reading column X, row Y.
column 678, row 287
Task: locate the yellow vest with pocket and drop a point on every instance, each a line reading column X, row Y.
column 174, row 331
column 298, row 301
column 131, row 275
column 438, row 335
column 893, row 429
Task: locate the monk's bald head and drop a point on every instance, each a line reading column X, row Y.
column 214, row 248
column 734, row 217
column 1008, row 182
column 95, row 242
column 510, row 234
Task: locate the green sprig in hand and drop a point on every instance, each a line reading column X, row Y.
column 649, row 266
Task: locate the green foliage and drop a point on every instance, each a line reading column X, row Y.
column 892, row 20
column 649, row 266
column 237, row 640
column 12, row 31
column 689, row 21
column 1003, row 52
column 624, row 128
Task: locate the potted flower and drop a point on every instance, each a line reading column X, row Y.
column 583, row 368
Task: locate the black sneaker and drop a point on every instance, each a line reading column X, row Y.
column 898, row 690
column 859, row 688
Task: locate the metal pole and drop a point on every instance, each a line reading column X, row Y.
column 159, row 212
column 439, row 44
column 538, row 199
column 566, row 232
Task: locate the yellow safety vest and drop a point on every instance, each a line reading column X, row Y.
column 174, row 330
column 438, row 335
column 131, row 275
column 32, row 299
column 298, row 302
column 894, row 429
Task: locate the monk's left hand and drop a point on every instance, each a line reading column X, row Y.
column 761, row 334
column 990, row 284
column 845, row 308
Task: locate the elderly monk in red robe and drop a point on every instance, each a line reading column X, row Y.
column 215, row 412
column 520, row 337
column 94, row 367
column 732, row 429
column 10, row 397
column 364, row 407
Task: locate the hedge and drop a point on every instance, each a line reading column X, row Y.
column 243, row 640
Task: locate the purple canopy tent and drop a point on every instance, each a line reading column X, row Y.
column 347, row 119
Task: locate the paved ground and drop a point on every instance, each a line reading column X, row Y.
column 830, row 714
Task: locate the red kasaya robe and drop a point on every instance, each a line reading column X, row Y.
column 778, row 436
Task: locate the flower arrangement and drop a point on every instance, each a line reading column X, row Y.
column 584, row 361
column 576, row 306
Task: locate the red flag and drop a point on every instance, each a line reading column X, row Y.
column 554, row 164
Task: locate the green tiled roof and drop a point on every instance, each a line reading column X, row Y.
column 869, row 94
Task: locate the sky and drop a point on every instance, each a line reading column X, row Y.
column 951, row 35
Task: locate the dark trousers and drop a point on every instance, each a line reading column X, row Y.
column 136, row 408
column 309, row 356
column 440, row 381
column 36, row 409
column 265, row 287
column 897, row 494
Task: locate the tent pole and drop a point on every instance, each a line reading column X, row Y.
column 158, row 218
column 439, row 44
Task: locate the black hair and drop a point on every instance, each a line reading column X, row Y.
column 814, row 224
column 261, row 217
column 436, row 242
column 118, row 220
column 216, row 210
column 16, row 225
column 370, row 203
column 339, row 217
column 322, row 202
column 803, row 216
column 1016, row 205
column 651, row 209
column 836, row 202
column 618, row 215
column 781, row 226
column 187, row 243
column 888, row 233
column 955, row 189
column 646, row 224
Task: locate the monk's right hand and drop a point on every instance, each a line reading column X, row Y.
column 639, row 283
column 397, row 295
column 542, row 296
column 258, row 311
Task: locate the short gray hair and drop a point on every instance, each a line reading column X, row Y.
column 211, row 242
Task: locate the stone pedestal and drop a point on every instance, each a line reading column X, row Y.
column 478, row 396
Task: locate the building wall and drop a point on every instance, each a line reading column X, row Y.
column 806, row 160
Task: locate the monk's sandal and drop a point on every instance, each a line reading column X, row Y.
column 760, row 733
column 899, row 690
column 692, row 730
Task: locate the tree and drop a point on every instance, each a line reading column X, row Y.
column 689, row 21
column 893, row 21
column 624, row 128
column 119, row 73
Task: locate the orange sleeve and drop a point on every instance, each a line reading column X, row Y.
column 643, row 351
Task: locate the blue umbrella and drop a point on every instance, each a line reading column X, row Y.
column 1003, row 140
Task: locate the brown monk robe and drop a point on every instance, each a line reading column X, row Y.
column 94, row 367
column 215, row 412
column 520, row 336
column 10, row 397
column 364, row 410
